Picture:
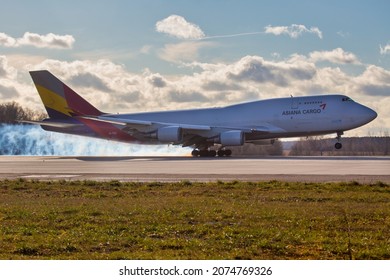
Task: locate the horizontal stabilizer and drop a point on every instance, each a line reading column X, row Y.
column 53, row 124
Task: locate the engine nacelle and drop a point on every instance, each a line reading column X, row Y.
column 232, row 138
column 170, row 134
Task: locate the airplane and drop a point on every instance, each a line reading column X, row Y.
column 210, row 132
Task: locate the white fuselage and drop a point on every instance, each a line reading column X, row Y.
column 284, row 117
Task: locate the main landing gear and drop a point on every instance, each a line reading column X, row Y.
column 338, row 145
column 211, row 153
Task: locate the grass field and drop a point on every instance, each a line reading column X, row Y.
column 220, row 220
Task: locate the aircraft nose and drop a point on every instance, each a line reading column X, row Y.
column 368, row 114
column 371, row 114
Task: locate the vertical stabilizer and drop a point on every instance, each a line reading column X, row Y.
column 60, row 101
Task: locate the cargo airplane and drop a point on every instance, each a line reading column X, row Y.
column 210, row 132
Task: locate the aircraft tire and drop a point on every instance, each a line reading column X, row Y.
column 195, row 153
column 338, row 146
column 224, row 153
column 212, row 153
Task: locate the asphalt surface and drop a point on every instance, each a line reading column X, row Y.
column 307, row 169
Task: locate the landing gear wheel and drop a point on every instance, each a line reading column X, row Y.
column 224, row 153
column 338, row 145
column 195, row 153
column 203, row 153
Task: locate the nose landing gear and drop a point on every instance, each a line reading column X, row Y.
column 338, row 145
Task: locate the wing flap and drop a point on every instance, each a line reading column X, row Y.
column 267, row 129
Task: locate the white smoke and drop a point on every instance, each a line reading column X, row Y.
column 33, row 140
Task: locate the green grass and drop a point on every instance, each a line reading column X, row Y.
column 187, row 220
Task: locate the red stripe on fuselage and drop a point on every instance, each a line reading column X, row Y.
column 108, row 131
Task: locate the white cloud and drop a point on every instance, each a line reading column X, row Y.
column 179, row 27
column 257, row 69
column 50, row 41
column 146, row 49
column 6, row 71
column 385, row 49
column 183, row 52
column 294, row 30
column 7, row 41
column 338, row 56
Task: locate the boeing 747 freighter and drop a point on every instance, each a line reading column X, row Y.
column 210, row 132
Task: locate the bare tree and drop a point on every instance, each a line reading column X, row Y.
column 353, row 146
column 12, row 113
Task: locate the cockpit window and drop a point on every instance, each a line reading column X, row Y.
column 346, row 99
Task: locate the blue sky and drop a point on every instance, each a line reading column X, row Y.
column 157, row 55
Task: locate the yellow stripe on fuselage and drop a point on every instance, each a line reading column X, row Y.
column 54, row 101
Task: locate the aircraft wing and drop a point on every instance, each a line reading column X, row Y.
column 188, row 128
column 136, row 124
column 267, row 128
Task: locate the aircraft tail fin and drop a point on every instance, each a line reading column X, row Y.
column 60, row 101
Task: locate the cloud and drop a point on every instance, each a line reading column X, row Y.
column 376, row 90
column 374, row 81
column 89, row 80
column 7, row 41
column 157, row 80
column 294, row 30
column 8, row 92
column 385, row 49
column 179, row 27
column 186, row 97
column 6, row 71
column 50, row 41
column 256, row 69
column 182, row 52
column 338, row 56
column 146, row 49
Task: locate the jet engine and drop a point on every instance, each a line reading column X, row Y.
column 169, row 134
column 232, row 138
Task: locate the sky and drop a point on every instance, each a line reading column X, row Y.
column 144, row 55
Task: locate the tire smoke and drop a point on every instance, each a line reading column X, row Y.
column 33, row 140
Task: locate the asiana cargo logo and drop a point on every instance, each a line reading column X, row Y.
column 305, row 111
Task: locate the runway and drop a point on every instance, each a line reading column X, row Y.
column 307, row 169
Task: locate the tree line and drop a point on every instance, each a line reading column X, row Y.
column 352, row 146
column 13, row 113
